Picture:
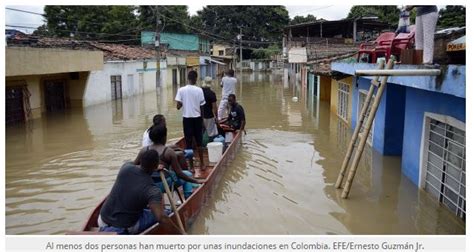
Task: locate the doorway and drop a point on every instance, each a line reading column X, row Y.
column 15, row 112
column 55, row 95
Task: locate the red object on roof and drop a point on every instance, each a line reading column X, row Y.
column 401, row 42
column 385, row 39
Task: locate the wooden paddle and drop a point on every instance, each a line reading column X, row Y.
column 168, row 192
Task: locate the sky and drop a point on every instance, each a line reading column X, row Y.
column 328, row 12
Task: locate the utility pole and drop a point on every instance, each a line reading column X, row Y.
column 234, row 50
column 241, row 65
column 240, row 38
column 158, row 47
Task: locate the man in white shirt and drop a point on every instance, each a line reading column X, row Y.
column 228, row 87
column 191, row 98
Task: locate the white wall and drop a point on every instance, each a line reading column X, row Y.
column 98, row 87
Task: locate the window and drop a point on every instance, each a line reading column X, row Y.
column 444, row 162
column 116, row 87
column 362, row 97
column 343, row 100
column 221, row 52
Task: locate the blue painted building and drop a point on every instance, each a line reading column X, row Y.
column 421, row 118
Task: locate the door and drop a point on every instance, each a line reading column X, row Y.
column 131, row 87
column 14, row 102
column 175, row 77
column 54, row 95
column 182, row 76
column 116, row 87
column 141, row 83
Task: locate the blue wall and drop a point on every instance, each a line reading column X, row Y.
column 452, row 80
column 417, row 103
column 389, row 119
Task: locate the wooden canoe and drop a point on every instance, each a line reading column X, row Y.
column 189, row 210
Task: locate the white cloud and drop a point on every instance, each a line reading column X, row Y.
column 192, row 9
column 328, row 12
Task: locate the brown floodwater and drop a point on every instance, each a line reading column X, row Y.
column 282, row 181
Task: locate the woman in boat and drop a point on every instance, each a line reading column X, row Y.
column 169, row 160
column 160, row 119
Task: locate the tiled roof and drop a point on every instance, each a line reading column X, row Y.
column 322, row 56
column 111, row 51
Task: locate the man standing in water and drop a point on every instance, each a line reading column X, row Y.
column 228, row 87
column 191, row 98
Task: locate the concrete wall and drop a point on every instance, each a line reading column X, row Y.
column 389, row 119
column 76, row 89
column 98, row 89
column 417, row 103
column 22, row 61
column 218, row 47
column 334, row 99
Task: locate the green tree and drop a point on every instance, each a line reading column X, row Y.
column 41, row 31
column 452, row 16
column 111, row 23
column 174, row 18
column 266, row 53
column 258, row 23
column 121, row 20
column 303, row 19
column 386, row 13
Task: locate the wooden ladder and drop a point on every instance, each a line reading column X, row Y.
column 362, row 136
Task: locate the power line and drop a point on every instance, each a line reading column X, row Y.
column 203, row 32
column 24, row 11
column 209, row 34
column 218, row 36
column 72, row 19
column 73, row 31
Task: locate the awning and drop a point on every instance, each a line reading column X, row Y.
column 217, row 62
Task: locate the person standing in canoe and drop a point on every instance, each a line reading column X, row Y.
column 191, row 98
column 168, row 159
column 209, row 110
column 125, row 209
column 228, row 84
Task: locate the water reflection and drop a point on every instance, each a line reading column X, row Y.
column 281, row 182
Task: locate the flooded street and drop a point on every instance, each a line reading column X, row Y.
column 59, row 167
